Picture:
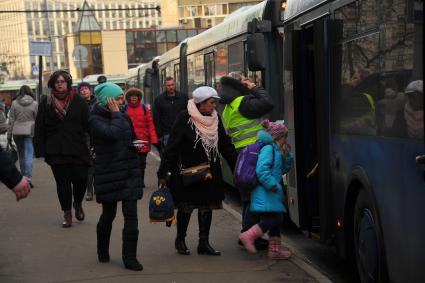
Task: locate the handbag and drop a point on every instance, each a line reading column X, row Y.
column 11, row 152
column 194, row 175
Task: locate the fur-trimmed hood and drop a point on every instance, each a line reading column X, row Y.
column 231, row 89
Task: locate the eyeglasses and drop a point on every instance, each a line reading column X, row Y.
column 60, row 82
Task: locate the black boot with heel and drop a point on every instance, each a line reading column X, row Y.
column 204, row 221
column 182, row 224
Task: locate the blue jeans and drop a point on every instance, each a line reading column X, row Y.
column 25, row 154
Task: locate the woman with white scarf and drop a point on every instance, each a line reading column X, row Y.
column 197, row 138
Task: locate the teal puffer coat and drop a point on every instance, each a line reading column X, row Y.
column 269, row 174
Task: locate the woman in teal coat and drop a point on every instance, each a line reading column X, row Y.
column 267, row 199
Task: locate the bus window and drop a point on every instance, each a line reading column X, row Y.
column 209, row 69
column 359, row 76
column 199, row 70
column 177, row 75
column 163, row 76
column 220, row 62
column 236, row 57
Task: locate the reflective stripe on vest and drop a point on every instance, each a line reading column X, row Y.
column 241, row 130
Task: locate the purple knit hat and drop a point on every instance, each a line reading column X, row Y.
column 276, row 129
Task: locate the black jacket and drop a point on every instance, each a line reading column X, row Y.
column 165, row 110
column 62, row 139
column 255, row 104
column 116, row 166
column 181, row 149
column 9, row 175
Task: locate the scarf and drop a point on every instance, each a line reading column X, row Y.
column 414, row 121
column 206, row 129
column 60, row 102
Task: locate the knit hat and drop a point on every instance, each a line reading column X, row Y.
column 276, row 129
column 204, row 93
column 105, row 91
column 415, row 86
column 82, row 84
column 133, row 92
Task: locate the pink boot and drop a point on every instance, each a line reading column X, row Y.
column 276, row 251
column 248, row 237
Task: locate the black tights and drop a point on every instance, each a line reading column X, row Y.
column 129, row 210
column 71, row 180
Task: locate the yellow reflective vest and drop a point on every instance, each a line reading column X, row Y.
column 241, row 130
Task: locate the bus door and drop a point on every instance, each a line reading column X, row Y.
column 311, row 120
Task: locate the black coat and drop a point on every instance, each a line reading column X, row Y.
column 9, row 175
column 62, row 140
column 116, row 166
column 256, row 102
column 165, row 111
column 181, row 149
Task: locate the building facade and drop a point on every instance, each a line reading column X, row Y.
column 18, row 29
column 207, row 13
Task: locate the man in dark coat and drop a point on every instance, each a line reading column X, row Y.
column 11, row 177
column 166, row 108
column 117, row 172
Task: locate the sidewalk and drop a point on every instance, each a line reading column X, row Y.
column 34, row 247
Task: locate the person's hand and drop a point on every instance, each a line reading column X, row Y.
column 249, row 84
column 113, row 105
column 22, row 189
column 162, row 183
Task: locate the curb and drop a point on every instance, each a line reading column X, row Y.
column 297, row 258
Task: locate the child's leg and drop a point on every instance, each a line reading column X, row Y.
column 275, row 248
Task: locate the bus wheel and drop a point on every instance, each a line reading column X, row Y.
column 368, row 246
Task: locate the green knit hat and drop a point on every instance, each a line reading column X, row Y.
column 105, row 91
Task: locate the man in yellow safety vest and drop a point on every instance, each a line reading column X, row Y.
column 245, row 105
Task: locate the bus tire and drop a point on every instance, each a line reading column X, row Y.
column 368, row 242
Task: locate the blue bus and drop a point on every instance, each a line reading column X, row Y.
column 346, row 76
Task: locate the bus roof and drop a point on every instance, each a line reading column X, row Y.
column 232, row 26
column 92, row 79
column 172, row 54
column 295, row 8
column 16, row 84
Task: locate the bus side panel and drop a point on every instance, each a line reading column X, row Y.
column 398, row 186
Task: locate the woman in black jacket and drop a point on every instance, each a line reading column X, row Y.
column 117, row 172
column 197, row 137
column 60, row 128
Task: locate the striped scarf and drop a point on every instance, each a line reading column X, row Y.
column 60, row 103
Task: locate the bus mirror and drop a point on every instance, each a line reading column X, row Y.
column 256, row 52
column 147, row 82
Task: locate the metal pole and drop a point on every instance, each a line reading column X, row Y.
column 40, row 77
column 49, row 31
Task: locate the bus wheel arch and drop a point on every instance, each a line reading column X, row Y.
column 365, row 245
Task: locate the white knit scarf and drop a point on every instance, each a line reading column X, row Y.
column 206, row 129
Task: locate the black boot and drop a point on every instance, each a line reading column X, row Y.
column 182, row 224
column 204, row 220
column 103, row 236
column 79, row 212
column 129, row 249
